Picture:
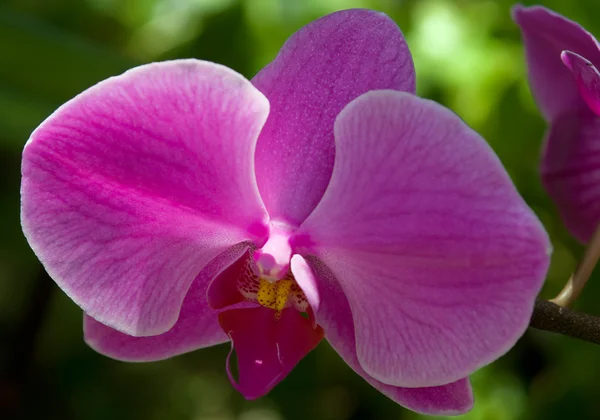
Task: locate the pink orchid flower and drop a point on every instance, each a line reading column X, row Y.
column 567, row 92
column 181, row 206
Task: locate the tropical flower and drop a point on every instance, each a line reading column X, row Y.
column 181, row 206
column 562, row 58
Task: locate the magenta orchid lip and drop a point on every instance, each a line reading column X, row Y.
column 181, row 205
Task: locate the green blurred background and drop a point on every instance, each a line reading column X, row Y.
column 468, row 56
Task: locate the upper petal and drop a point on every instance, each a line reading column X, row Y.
column 437, row 253
column 319, row 70
column 545, row 35
column 335, row 317
column 267, row 347
column 132, row 187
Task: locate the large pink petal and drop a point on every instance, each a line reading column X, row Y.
column 571, row 170
column 132, row 187
column 319, row 70
column 545, row 35
column 267, row 348
column 197, row 325
column 438, row 255
column 335, row 317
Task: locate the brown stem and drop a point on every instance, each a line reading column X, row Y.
column 551, row 317
column 579, row 278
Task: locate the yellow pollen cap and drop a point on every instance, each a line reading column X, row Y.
column 274, row 295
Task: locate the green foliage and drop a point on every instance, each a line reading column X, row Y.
column 468, row 56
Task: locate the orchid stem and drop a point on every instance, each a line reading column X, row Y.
column 551, row 317
column 582, row 273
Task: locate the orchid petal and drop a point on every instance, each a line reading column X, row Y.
column 439, row 256
column 545, row 35
column 335, row 317
column 319, row 70
column 571, row 171
column 135, row 185
column 267, row 348
column 197, row 325
column 587, row 78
